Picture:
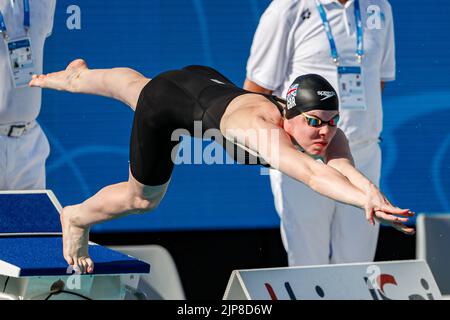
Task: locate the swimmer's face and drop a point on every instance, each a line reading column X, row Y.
column 314, row 139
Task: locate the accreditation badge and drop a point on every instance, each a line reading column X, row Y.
column 21, row 61
column 351, row 88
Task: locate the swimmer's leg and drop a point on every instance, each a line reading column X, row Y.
column 123, row 84
column 111, row 202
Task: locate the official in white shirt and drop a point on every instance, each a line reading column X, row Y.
column 357, row 59
column 24, row 148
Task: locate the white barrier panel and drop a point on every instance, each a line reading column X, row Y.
column 397, row 280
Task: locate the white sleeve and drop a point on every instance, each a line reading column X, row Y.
column 387, row 71
column 270, row 53
column 51, row 17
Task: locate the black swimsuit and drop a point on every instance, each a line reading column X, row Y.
column 175, row 100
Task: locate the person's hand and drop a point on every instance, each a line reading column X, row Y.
column 394, row 221
column 378, row 207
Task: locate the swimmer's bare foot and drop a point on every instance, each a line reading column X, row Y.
column 75, row 241
column 62, row 80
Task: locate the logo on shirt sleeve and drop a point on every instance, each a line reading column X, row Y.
column 306, row 14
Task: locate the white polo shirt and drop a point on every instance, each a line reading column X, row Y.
column 23, row 104
column 291, row 41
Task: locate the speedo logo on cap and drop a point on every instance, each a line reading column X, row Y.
column 326, row 94
column 290, row 96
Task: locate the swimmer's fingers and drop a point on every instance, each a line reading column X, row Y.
column 398, row 225
column 389, row 208
column 389, row 217
column 403, row 228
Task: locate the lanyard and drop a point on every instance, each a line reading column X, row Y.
column 26, row 18
column 359, row 32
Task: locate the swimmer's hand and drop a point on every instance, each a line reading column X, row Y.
column 396, row 222
column 75, row 241
column 63, row 80
column 379, row 208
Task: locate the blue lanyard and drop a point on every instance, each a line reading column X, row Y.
column 359, row 32
column 26, row 18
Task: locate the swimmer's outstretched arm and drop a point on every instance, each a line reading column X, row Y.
column 123, row 84
column 339, row 157
column 324, row 179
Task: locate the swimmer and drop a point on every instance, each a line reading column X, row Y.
column 305, row 125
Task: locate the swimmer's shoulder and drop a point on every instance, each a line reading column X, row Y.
column 256, row 103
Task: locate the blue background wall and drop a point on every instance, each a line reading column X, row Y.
column 90, row 135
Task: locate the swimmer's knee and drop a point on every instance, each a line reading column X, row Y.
column 143, row 205
column 149, row 198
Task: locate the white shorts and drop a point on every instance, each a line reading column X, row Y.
column 22, row 160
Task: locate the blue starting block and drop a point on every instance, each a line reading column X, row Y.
column 31, row 261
